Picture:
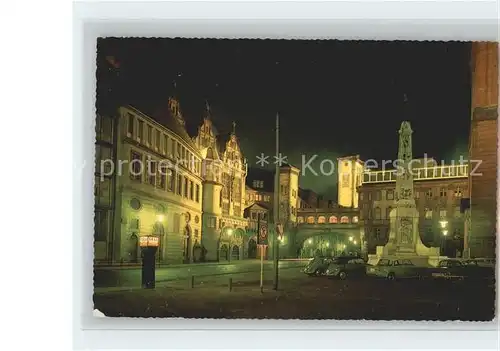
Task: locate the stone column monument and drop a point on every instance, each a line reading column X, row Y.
column 404, row 238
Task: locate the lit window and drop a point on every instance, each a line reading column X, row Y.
column 131, row 124
column 136, row 163
column 390, row 194
column 321, row 219
column 332, row 219
column 140, row 133
column 442, row 213
column 344, row 219
column 150, row 135
column 152, row 172
column 310, row 220
column 355, row 219
column 428, row 213
column 458, row 192
column 163, row 175
column 300, row 219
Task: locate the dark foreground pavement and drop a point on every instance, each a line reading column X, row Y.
column 305, row 297
column 131, row 276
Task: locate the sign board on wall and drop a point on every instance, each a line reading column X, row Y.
column 148, row 241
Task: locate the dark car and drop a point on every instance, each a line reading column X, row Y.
column 465, row 269
column 343, row 267
column 317, row 266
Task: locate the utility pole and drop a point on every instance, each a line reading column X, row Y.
column 276, row 207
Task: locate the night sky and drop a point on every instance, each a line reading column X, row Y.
column 334, row 98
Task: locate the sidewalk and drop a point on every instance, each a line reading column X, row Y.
column 176, row 265
column 194, row 264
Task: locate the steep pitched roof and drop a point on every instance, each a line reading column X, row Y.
column 160, row 112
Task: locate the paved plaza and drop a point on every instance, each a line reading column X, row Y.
column 300, row 296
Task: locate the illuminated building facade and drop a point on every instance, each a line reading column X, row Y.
column 224, row 172
column 350, row 173
column 160, row 187
column 439, row 191
column 260, row 200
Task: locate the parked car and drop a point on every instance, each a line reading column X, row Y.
column 449, row 269
column 317, row 266
column 485, row 262
column 343, row 267
column 394, row 269
column 462, row 269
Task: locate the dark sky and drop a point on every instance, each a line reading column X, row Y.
column 334, row 98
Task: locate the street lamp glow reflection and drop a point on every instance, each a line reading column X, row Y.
column 355, row 242
column 351, row 238
column 443, row 224
column 343, row 246
column 229, row 231
column 445, row 232
column 327, row 244
column 310, row 241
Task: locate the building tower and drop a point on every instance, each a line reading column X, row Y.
column 481, row 237
column 350, row 173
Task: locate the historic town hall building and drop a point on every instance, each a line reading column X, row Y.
column 156, row 179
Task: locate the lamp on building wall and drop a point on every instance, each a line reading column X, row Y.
column 444, row 231
column 443, row 224
column 351, row 238
column 160, row 218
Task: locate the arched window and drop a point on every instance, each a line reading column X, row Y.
column 355, row 219
column 344, row 219
column 300, row 219
column 333, row 219
column 321, row 219
column 378, row 213
column 310, row 220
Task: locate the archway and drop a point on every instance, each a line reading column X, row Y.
column 133, row 248
column 235, row 253
column 224, row 252
column 252, row 248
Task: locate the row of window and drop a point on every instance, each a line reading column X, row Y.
column 163, row 178
column 258, row 184
column 331, row 219
column 155, row 139
column 258, row 197
column 429, row 193
column 428, row 213
column 437, row 172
